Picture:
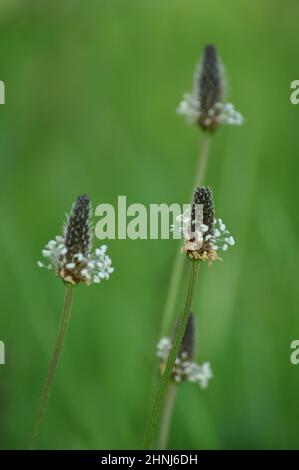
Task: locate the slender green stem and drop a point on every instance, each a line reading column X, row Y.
column 166, row 416
column 162, row 388
column 178, row 265
column 173, row 290
column 202, row 163
column 52, row 368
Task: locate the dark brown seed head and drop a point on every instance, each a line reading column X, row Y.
column 187, row 349
column 200, row 246
column 209, row 81
column 210, row 89
column 186, row 352
column 204, row 196
column 77, row 231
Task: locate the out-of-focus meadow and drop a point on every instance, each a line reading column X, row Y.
column 91, row 93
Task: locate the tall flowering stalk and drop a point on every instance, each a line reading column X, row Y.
column 203, row 240
column 204, row 106
column 163, row 386
column 72, row 259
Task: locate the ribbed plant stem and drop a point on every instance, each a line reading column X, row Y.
column 166, row 416
column 52, row 368
column 177, row 269
column 163, row 385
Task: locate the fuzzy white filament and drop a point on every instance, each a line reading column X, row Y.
column 184, row 368
column 221, row 113
column 94, row 267
column 220, row 239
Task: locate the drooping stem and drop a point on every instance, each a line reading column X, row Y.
column 52, row 368
column 163, row 385
column 178, row 265
column 166, row 416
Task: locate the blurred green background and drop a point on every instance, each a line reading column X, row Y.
column 91, row 93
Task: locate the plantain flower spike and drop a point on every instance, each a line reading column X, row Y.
column 204, row 235
column 205, row 105
column 185, row 369
column 71, row 255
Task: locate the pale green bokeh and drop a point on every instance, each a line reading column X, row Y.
column 91, row 93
